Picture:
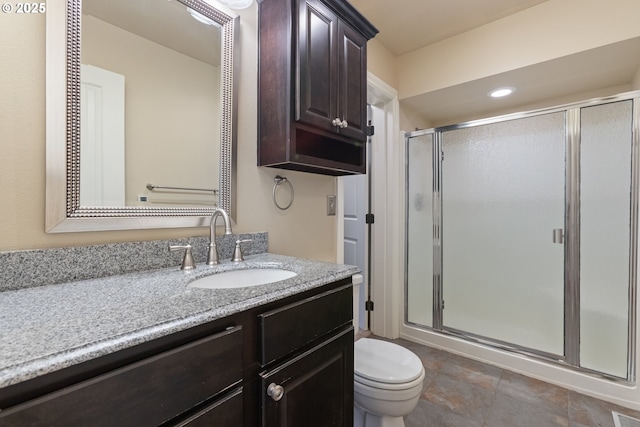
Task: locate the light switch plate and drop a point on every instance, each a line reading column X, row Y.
column 331, row 205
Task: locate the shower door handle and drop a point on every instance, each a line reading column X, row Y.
column 558, row 235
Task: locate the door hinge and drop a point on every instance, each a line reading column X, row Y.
column 368, row 305
column 442, row 304
column 442, row 155
column 369, row 218
column 370, row 130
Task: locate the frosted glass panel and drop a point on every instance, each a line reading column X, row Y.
column 420, row 231
column 604, row 240
column 502, row 195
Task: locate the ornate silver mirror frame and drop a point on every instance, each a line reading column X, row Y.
column 63, row 210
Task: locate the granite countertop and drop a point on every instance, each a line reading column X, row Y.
column 51, row 327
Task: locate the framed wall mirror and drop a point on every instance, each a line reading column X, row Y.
column 140, row 114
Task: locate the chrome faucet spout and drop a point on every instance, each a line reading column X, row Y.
column 213, row 257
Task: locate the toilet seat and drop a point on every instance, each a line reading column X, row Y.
column 386, row 365
column 387, row 386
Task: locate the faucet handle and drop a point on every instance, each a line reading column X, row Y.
column 212, row 257
column 237, row 253
column 187, row 261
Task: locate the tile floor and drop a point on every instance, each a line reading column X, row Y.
column 460, row 392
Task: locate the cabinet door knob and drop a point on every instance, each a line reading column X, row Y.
column 344, row 124
column 336, row 122
column 275, row 391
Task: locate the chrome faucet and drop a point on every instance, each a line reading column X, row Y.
column 213, row 258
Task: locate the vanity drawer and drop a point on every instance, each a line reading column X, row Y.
column 293, row 326
column 227, row 411
column 146, row 393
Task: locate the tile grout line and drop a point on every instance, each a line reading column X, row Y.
column 493, row 400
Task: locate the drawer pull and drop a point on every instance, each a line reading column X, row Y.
column 275, row 391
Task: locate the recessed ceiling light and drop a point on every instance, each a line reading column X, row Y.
column 503, row 91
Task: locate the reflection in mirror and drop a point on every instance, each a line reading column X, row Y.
column 150, row 71
column 149, row 135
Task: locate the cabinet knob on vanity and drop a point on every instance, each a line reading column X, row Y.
column 275, row 391
column 344, row 124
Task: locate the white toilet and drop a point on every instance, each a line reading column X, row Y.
column 387, row 383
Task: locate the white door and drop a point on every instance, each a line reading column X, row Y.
column 355, row 233
column 382, row 245
column 101, row 138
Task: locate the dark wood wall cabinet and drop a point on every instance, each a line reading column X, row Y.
column 286, row 363
column 312, row 78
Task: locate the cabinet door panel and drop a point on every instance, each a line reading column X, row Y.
column 317, row 68
column 318, row 387
column 352, row 90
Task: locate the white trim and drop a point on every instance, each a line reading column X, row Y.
column 339, row 221
column 387, row 233
column 387, row 205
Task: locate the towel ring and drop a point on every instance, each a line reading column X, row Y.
column 279, row 180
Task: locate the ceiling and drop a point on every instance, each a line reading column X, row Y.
column 167, row 23
column 407, row 25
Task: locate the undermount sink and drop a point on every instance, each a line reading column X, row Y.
column 242, row 278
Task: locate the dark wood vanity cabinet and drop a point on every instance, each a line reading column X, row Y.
column 312, row 86
column 313, row 389
column 149, row 392
column 307, row 352
column 216, row 374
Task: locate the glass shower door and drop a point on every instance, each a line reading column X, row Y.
column 503, row 197
column 419, row 232
column 605, row 235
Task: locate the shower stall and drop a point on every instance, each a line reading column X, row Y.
column 521, row 233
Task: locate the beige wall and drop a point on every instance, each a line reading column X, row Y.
column 550, row 30
column 635, row 84
column 410, row 120
column 381, row 62
column 305, row 230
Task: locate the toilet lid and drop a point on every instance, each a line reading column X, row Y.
column 385, row 362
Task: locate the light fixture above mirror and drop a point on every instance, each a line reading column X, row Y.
column 200, row 17
column 236, row 4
